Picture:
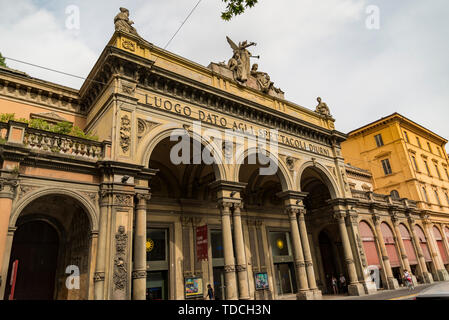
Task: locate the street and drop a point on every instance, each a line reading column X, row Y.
column 401, row 294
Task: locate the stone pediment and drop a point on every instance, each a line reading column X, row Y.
column 51, row 117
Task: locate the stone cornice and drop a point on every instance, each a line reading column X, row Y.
column 23, row 89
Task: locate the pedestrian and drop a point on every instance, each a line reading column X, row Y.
column 210, row 292
column 408, row 280
column 342, row 283
column 334, row 285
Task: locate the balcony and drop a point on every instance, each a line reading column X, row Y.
column 41, row 141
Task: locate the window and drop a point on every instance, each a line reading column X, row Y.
column 447, row 174
column 438, row 171
column 414, row 163
column 430, row 148
column 437, row 197
column 447, row 197
column 216, row 239
column 427, row 167
column 156, row 245
column 439, row 151
column 379, row 140
column 406, row 136
column 395, row 194
column 280, row 243
column 419, row 142
column 425, row 194
column 386, row 166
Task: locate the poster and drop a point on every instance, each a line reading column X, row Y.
column 261, row 281
column 193, row 287
column 201, row 243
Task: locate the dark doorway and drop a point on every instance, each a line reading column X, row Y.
column 328, row 259
column 219, row 284
column 35, row 246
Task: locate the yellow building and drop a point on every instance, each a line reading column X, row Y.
column 406, row 160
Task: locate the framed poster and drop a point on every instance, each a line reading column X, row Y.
column 261, row 281
column 193, row 287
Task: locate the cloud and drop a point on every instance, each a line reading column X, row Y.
column 309, row 48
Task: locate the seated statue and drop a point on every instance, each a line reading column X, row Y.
column 263, row 79
column 322, row 108
column 122, row 22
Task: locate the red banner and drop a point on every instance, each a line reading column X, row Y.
column 201, row 243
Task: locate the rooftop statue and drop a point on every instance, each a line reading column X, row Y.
column 122, row 22
column 240, row 61
column 263, row 79
column 322, row 108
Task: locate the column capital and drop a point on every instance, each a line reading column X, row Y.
column 143, row 196
column 186, row 221
column 339, row 215
column 139, row 274
column 229, row 268
column 292, row 211
column 376, row 219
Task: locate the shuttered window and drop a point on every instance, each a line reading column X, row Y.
column 390, row 245
column 369, row 244
column 409, row 249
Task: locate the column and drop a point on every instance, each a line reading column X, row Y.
column 240, row 254
column 300, row 266
column 230, row 280
column 6, row 197
column 139, row 274
column 391, row 281
column 438, row 262
column 427, row 277
column 100, row 266
column 354, row 288
column 307, row 254
column 445, row 241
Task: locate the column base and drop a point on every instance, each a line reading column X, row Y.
column 305, row 295
column 427, row 277
column 414, row 281
column 317, row 295
column 442, row 275
column 370, row 287
column 356, row 289
column 392, row 284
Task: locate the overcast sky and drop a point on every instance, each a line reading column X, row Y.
column 310, row 48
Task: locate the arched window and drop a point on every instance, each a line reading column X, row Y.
column 409, row 249
column 394, row 194
column 390, row 245
column 369, row 244
column 423, row 243
column 440, row 244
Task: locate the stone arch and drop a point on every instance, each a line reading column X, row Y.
column 157, row 135
column 282, row 173
column 328, row 180
column 88, row 207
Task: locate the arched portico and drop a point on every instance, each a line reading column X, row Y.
column 56, row 225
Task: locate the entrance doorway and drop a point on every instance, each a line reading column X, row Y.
column 328, row 259
column 35, row 246
column 285, row 282
column 219, row 283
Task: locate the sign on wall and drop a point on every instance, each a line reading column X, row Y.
column 261, row 281
column 193, row 287
column 201, row 243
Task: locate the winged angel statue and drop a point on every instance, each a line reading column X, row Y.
column 240, row 63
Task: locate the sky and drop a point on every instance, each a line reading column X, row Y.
column 330, row 48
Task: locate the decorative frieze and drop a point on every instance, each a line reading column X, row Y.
column 120, row 276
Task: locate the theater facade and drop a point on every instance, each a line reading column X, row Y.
column 197, row 175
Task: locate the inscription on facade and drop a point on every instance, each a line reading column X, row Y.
column 224, row 122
